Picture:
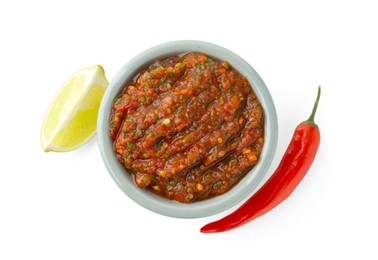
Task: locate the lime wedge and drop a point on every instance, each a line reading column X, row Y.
column 71, row 118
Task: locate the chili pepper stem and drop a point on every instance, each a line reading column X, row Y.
column 311, row 119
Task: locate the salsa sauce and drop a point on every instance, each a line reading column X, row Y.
column 188, row 127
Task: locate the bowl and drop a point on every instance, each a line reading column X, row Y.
column 245, row 187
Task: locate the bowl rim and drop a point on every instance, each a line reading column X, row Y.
column 245, row 187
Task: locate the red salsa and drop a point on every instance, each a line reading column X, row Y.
column 188, row 127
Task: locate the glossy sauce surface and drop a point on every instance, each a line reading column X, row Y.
column 188, row 128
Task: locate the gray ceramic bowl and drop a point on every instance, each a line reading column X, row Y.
column 168, row 207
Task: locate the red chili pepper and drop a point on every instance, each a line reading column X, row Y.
column 293, row 167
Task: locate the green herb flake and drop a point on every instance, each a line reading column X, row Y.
column 129, row 157
column 130, row 145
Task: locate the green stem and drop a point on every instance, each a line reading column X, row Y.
column 311, row 119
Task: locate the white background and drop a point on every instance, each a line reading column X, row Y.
column 66, row 206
